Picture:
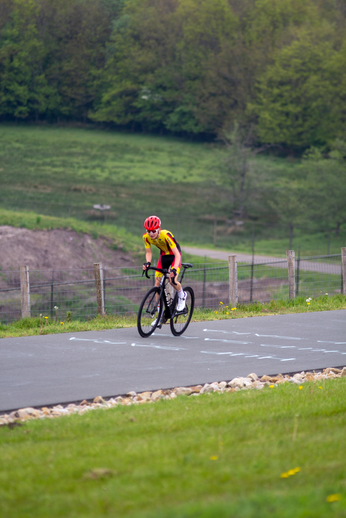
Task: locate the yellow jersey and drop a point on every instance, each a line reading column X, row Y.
column 165, row 242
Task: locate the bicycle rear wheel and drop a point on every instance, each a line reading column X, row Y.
column 180, row 321
column 146, row 323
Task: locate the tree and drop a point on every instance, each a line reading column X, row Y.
column 160, row 69
column 326, row 180
column 24, row 89
column 238, row 172
column 75, row 35
column 296, row 95
column 290, row 202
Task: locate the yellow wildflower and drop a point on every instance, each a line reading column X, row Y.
column 333, row 498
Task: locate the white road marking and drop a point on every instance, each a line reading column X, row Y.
column 279, row 346
column 97, row 341
column 231, row 354
column 171, row 336
column 335, row 343
column 226, row 341
column 283, row 337
column 220, row 353
column 153, row 346
column 224, row 332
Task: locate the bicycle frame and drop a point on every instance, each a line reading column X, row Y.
column 163, row 295
column 169, row 307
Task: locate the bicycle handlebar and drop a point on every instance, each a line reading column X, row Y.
column 164, row 271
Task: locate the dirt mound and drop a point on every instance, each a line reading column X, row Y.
column 56, row 249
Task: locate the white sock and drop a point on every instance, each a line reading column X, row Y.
column 181, row 293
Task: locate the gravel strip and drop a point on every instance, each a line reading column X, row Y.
column 252, row 381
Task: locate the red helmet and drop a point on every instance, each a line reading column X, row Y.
column 152, row 223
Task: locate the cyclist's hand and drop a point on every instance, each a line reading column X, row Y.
column 173, row 275
column 146, row 266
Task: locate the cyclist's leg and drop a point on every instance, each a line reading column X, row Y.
column 158, row 276
column 167, row 261
column 177, row 286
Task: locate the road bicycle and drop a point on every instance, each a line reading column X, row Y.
column 159, row 306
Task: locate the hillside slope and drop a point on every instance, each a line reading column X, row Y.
column 57, row 249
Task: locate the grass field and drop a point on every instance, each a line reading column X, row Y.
column 58, row 171
column 277, row 452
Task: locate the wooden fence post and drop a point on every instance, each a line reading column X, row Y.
column 291, row 275
column 25, row 291
column 98, row 273
column 343, row 270
column 233, row 281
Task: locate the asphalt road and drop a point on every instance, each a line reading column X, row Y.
column 51, row 369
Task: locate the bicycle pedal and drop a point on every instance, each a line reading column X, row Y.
column 184, row 312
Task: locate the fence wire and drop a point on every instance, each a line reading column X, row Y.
column 262, row 281
column 62, row 294
column 319, row 275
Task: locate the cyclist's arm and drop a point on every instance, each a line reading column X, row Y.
column 177, row 257
column 148, row 255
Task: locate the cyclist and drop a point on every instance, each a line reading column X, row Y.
column 170, row 255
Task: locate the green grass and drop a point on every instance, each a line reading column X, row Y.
column 63, row 172
column 219, row 455
column 40, row 326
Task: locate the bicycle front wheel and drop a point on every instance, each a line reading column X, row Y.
column 148, row 314
column 181, row 320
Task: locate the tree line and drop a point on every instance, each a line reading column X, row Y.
column 311, row 195
column 194, row 67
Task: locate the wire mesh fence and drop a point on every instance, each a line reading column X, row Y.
column 263, row 282
column 61, row 294
column 319, row 275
